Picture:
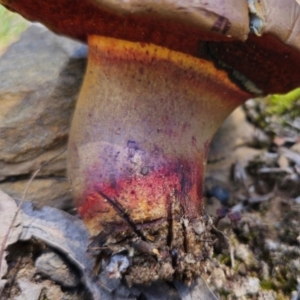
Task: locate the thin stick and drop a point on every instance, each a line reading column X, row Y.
column 7, row 235
column 232, row 256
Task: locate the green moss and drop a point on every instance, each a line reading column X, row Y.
column 277, row 115
column 280, row 104
column 224, row 259
column 223, row 294
column 267, row 285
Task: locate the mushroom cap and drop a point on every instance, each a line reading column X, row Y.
column 262, row 57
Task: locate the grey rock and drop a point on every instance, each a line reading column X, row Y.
column 295, row 295
column 198, row 290
column 295, row 265
column 235, row 131
column 264, row 270
column 267, row 295
column 242, row 270
column 247, row 286
column 243, row 253
column 55, row 192
column 53, row 266
column 43, row 74
column 29, row 290
column 57, row 166
column 217, row 278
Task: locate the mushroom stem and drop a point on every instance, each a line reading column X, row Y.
column 140, row 137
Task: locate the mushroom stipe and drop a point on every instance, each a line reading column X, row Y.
column 136, row 112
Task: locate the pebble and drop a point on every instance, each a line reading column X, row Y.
column 242, row 269
column 267, row 295
column 295, row 265
column 247, row 286
column 295, row 295
column 264, row 270
column 54, row 267
column 217, row 278
column 243, row 253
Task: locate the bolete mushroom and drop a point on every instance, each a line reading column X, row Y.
column 161, row 78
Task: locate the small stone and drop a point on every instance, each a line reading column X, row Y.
column 47, row 191
column 283, row 162
column 145, row 171
column 217, row 278
column 296, row 147
column 199, row 227
column 271, row 246
column 264, row 271
column 267, row 295
column 29, row 290
column 247, row 286
column 243, row 253
column 295, row 295
column 242, row 269
column 53, row 266
column 295, row 265
column 117, row 265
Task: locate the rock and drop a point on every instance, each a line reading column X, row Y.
column 49, row 191
column 296, row 147
column 217, row 278
column 267, row 295
column 235, row 131
column 57, row 167
column 197, row 290
column 247, row 286
column 42, row 77
column 295, row 295
column 43, row 74
column 295, row 265
column 283, row 162
column 45, row 290
column 221, row 170
column 242, row 270
column 264, row 271
column 243, row 253
column 54, row 267
column 230, row 144
column 29, row 290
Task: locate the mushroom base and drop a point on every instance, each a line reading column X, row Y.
column 174, row 248
column 137, row 153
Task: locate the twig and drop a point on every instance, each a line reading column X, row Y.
column 7, row 235
column 123, row 214
column 232, row 256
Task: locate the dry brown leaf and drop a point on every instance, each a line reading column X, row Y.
column 8, row 234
